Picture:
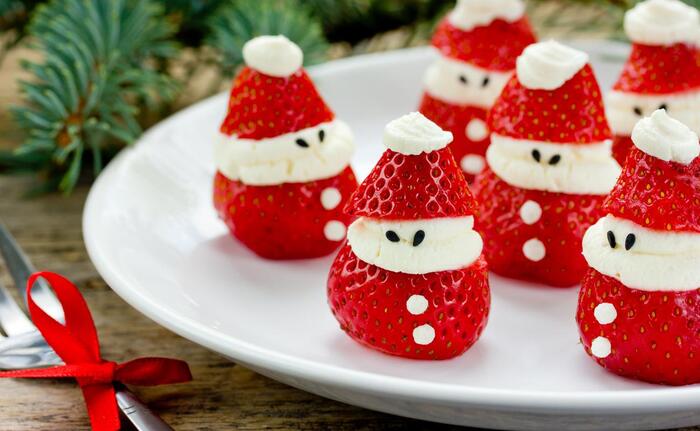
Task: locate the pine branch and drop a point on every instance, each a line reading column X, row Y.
column 98, row 69
column 237, row 22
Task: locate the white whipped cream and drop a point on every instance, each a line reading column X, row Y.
column 414, row 134
column 468, row 14
column 582, row 169
column 281, row 160
column 666, row 138
column 449, row 244
column 273, row 55
column 658, row 260
column 662, row 22
column 548, row 65
column 461, row 83
column 620, row 109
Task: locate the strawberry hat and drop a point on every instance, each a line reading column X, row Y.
column 665, row 57
column 416, row 178
column 487, row 33
column 660, row 183
column 553, row 97
column 273, row 95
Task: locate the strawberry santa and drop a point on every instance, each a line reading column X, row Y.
column 662, row 71
column 640, row 302
column 478, row 43
column 549, row 167
column 411, row 281
column 283, row 158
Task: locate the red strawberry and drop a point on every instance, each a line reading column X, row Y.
column 409, row 187
column 370, row 303
column 557, row 220
column 656, row 194
column 574, row 113
column 455, row 118
column 263, row 106
column 485, row 46
column 660, row 69
column 286, row 221
column 621, row 147
column 411, row 306
column 654, row 337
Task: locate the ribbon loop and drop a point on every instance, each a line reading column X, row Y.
column 77, row 344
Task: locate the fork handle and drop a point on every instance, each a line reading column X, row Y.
column 136, row 412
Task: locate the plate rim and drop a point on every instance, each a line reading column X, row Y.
column 664, row 399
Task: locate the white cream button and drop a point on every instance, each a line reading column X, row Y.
column 417, row 304
column 472, row 164
column 330, row 198
column 477, row 130
column 534, row 250
column 530, row 212
column 424, row 334
column 605, row 313
column 334, row 230
column 601, row 348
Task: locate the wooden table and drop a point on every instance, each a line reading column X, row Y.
column 222, row 396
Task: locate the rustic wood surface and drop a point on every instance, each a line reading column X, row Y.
column 222, row 396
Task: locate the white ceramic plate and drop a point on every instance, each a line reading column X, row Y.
column 152, row 233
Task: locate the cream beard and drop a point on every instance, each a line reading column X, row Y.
column 657, row 260
column 581, row 169
column 461, row 83
column 447, row 244
column 620, row 109
column 281, row 160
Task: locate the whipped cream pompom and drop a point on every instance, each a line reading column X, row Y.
column 414, row 134
column 663, row 22
column 468, row 14
column 666, row 138
column 273, row 55
column 548, row 65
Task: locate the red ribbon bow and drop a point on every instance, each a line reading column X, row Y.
column 77, row 344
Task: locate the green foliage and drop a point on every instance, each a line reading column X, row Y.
column 98, row 68
column 237, row 22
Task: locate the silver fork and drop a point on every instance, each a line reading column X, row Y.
column 24, row 347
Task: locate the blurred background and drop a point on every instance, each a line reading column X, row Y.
column 80, row 79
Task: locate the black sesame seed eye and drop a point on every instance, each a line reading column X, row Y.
column 638, row 111
column 418, row 238
column 302, row 143
column 463, row 79
column 555, row 159
column 629, row 241
column 536, row 155
column 663, row 106
column 392, row 236
column 485, row 82
column 321, row 135
column 611, row 239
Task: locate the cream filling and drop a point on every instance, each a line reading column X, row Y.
column 657, row 261
column 666, row 138
column 413, row 134
column 281, row 160
column 468, row 14
column 273, row 55
column 620, row 109
column 581, row 169
column 461, row 83
column 662, row 22
column 448, row 244
column 548, row 65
